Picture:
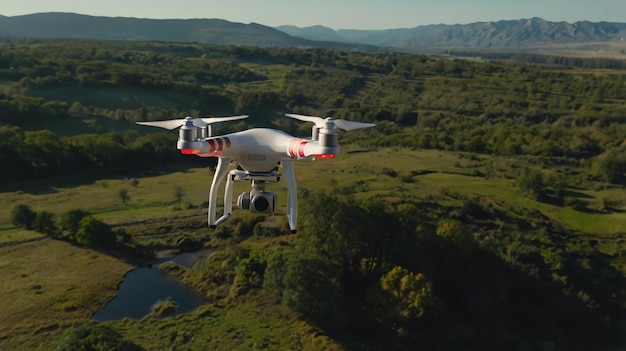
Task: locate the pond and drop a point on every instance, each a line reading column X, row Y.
column 143, row 287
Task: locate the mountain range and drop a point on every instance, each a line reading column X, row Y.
column 511, row 34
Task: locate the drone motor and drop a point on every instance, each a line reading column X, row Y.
column 188, row 132
column 329, row 135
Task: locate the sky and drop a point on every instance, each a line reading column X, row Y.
column 336, row 14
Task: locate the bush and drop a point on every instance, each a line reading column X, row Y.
column 44, row 223
column 163, row 309
column 95, row 337
column 23, row 216
column 92, row 232
column 389, row 172
column 70, row 221
column 311, row 286
column 531, row 183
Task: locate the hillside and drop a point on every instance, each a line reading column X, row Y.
column 209, row 31
column 512, row 34
column 532, row 34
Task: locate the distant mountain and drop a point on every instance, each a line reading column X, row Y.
column 208, row 31
column 502, row 34
column 514, row 34
column 319, row 33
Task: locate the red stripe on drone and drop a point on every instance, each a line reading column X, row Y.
column 211, row 145
column 296, row 147
column 216, row 147
column 227, row 141
column 292, row 144
column 301, row 148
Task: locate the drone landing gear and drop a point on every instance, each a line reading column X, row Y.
column 258, row 200
column 292, row 205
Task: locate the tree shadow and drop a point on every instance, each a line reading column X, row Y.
column 50, row 185
column 570, row 193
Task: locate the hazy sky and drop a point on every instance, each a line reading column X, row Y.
column 337, row 14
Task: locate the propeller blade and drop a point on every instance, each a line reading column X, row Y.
column 198, row 122
column 318, row 121
column 339, row 123
column 352, row 125
column 169, row 125
column 211, row 120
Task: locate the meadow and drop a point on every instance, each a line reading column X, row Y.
column 52, row 284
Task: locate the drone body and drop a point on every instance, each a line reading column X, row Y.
column 258, row 153
column 258, row 150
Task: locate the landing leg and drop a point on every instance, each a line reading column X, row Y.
column 220, row 171
column 292, row 206
column 228, row 199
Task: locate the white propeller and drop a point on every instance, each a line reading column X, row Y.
column 198, row 122
column 341, row 123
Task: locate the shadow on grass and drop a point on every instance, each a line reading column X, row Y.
column 51, row 184
column 570, row 193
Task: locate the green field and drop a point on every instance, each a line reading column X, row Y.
column 51, row 284
column 423, row 173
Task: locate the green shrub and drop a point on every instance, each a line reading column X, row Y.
column 23, row 216
column 94, row 337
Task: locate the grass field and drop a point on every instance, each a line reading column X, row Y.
column 422, row 173
column 606, row 49
column 51, row 284
column 48, row 284
column 245, row 326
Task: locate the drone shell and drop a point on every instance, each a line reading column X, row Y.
column 258, row 150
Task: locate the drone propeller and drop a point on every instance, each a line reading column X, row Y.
column 198, row 122
column 321, row 122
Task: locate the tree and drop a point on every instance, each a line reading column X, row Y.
column 612, row 167
column 23, row 216
column 124, row 196
column 403, row 296
column 44, row 223
column 311, row 286
column 179, row 193
column 530, row 183
column 70, row 221
column 92, row 232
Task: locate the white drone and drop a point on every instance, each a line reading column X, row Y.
column 258, row 153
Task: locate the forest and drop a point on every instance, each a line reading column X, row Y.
column 419, row 101
column 414, row 267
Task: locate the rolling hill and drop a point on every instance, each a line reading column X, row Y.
column 522, row 33
column 207, row 31
column 510, row 35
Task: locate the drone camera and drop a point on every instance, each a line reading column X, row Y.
column 257, row 201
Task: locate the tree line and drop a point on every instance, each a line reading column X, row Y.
column 42, row 153
column 567, row 61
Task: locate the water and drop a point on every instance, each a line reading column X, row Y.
column 143, row 287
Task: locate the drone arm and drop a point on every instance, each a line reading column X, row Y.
column 292, row 206
column 220, row 171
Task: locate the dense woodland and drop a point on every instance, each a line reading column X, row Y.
column 419, row 101
column 370, row 274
